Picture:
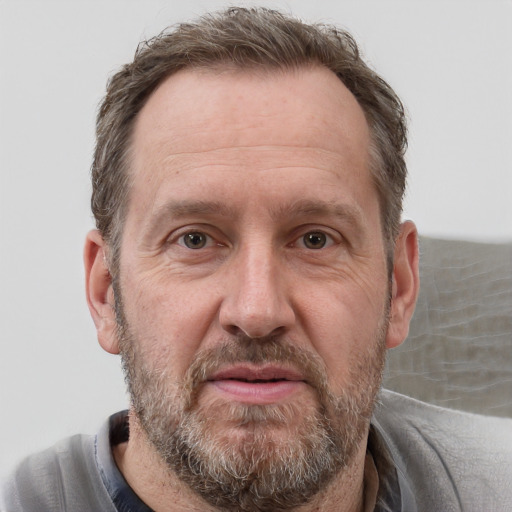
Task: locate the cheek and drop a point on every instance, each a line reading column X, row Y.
column 169, row 324
column 344, row 326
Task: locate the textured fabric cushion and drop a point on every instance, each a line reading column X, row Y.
column 459, row 350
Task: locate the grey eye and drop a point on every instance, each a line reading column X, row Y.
column 315, row 240
column 195, row 240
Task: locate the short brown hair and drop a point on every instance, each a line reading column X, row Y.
column 245, row 39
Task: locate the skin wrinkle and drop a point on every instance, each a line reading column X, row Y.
column 330, row 47
column 267, row 147
column 192, row 435
column 178, row 156
column 198, row 373
column 174, row 266
column 256, row 135
column 211, row 169
column 175, row 305
column 212, row 210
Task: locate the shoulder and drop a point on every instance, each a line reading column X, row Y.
column 398, row 409
column 448, row 456
column 63, row 477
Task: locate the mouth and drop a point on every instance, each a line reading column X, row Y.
column 257, row 385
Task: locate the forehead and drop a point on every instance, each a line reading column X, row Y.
column 224, row 130
column 222, row 108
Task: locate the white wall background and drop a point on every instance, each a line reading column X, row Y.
column 449, row 60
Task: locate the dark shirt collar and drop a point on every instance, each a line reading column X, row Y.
column 394, row 492
column 116, row 431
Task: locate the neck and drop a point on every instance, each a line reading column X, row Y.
column 150, row 478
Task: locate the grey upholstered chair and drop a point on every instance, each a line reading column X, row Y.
column 459, row 350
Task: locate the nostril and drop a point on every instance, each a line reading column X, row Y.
column 254, row 334
column 233, row 330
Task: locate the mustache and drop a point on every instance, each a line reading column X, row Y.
column 258, row 351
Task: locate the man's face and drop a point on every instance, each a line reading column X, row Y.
column 253, row 286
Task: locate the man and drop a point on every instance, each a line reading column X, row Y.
column 251, row 269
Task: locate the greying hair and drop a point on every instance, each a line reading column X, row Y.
column 241, row 38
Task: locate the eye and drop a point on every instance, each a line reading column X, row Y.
column 316, row 240
column 194, row 240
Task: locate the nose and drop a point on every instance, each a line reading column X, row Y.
column 257, row 302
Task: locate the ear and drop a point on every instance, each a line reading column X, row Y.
column 100, row 294
column 405, row 285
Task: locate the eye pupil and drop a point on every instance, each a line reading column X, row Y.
column 194, row 240
column 315, row 240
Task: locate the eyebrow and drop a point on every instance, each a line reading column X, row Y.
column 185, row 208
column 307, row 207
column 300, row 208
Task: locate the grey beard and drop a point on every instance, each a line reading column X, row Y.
column 253, row 471
column 256, row 473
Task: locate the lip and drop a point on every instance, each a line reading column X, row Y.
column 257, row 385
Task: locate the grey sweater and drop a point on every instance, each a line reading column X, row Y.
column 429, row 459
